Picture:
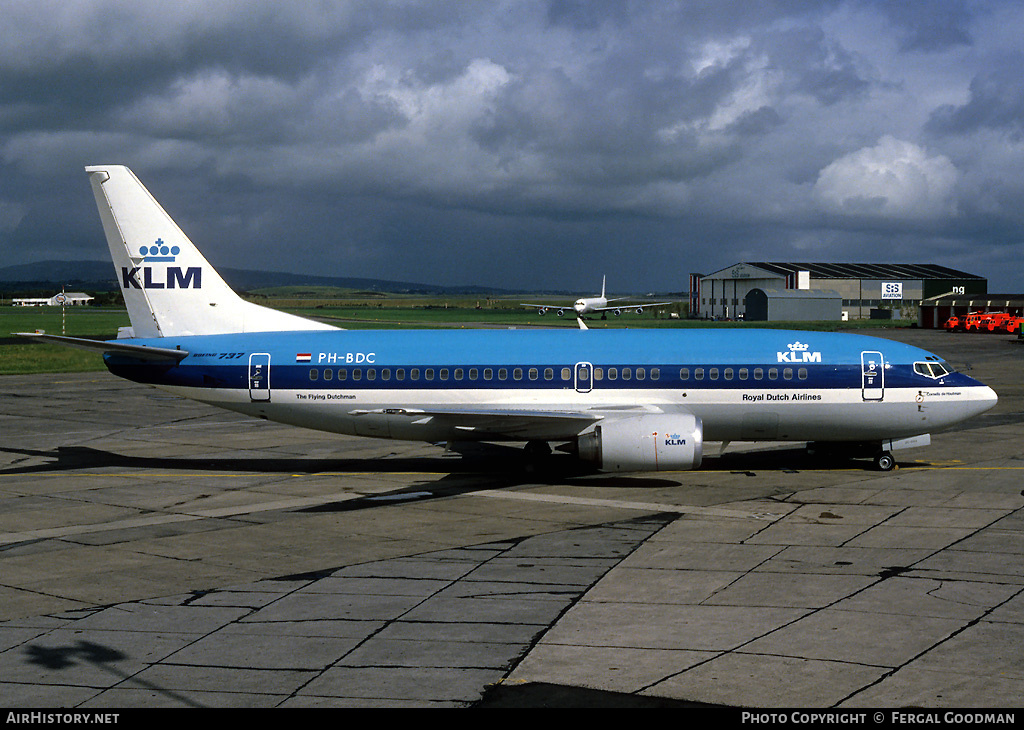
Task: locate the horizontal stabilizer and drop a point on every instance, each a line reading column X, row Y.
column 143, row 352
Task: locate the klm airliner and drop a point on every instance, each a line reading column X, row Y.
column 589, row 305
column 622, row 400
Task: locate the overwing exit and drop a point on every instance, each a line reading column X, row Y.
column 621, row 400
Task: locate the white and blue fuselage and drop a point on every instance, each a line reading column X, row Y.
column 624, row 400
column 553, row 385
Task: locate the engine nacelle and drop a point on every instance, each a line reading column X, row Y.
column 656, row 442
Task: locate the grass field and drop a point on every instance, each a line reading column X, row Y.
column 393, row 312
column 19, row 356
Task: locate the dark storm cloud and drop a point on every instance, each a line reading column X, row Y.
column 933, row 28
column 523, row 143
column 996, row 101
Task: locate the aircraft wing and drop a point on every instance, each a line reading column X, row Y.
column 548, row 306
column 143, row 352
column 482, row 423
column 633, row 305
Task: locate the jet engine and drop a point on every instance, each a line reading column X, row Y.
column 656, row 442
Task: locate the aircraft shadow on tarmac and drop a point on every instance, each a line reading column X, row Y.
column 493, row 461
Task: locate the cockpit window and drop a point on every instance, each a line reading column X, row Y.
column 932, row 369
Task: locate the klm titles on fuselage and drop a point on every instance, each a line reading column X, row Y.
column 798, row 352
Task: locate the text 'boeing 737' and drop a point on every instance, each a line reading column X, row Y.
column 623, row 400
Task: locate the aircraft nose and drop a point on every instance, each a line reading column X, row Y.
column 987, row 398
column 981, row 399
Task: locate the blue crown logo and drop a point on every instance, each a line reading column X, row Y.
column 159, row 251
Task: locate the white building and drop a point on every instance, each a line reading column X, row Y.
column 65, row 299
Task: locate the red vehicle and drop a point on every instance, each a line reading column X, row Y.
column 985, row 321
column 1012, row 324
column 953, row 323
column 972, row 322
column 996, row 321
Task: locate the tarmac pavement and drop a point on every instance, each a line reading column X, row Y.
column 156, row 552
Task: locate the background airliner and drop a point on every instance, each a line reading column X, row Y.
column 623, row 400
column 589, row 305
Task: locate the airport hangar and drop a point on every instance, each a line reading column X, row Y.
column 801, row 291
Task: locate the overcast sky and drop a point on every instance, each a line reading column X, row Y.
column 533, row 145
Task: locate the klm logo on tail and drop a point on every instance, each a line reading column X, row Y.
column 175, row 278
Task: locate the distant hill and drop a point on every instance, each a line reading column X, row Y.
column 99, row 276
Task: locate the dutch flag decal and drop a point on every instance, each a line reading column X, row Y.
column 303, row 356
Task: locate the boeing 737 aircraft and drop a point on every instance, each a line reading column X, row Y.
column 588, row 305
column 623, row 400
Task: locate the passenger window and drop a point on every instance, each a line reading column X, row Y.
column 342, row 374
column 502, row 373
column 598, row 373
column 517, row 374
column 458, row 373
column 684, row 373
column 698, row 373
column 641, row 373
column 400, row 374
column 428, row 374
column 371, row 374
column 474, row 373
column 357, row 374
column 314, row 374
column 443, row 373
column 655, row 373
column 328, row 374
column 385, row 374
column 549, row 373
column 566, row 374
column 773, row 373
column 627, row 373
column 713, row 373
column 534, row 373
column 414, row 374
column 787, row 373
column 727, row 373
column 744, row 373
column 802, row 373
column 613, row 373
column 758, row 374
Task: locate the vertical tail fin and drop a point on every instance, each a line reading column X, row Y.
column 169, row 287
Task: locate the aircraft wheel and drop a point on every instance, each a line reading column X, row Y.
column 884, row 461
column 537, row 455
column 537, row 449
